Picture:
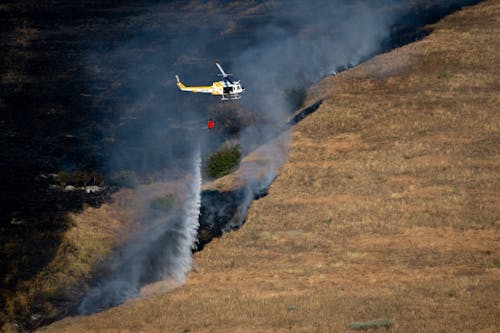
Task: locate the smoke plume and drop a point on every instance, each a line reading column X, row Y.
column 277, row 48
column 163, row 251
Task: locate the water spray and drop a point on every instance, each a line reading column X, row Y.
column 161, row 252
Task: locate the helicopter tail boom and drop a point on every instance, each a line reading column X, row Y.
column 179, row 83
column 197, row 89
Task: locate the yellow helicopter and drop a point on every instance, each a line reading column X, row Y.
column 227, row 88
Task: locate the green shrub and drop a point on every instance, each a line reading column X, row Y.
column 370, row 325
column 223, row 162
column 165, row 203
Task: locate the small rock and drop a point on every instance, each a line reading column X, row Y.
column 36, row 317
column 70, row 188
column 16, row 221
column 93, row 189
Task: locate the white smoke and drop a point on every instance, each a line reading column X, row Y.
column 163, row 251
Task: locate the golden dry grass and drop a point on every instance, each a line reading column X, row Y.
column 388, row 207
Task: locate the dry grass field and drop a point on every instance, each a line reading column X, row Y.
column 388, row 207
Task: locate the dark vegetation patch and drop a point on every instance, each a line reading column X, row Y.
column 370, row 325
column 223, row 162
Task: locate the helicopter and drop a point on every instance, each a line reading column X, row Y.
column 227, row 88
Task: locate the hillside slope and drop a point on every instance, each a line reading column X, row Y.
column 388, row 207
